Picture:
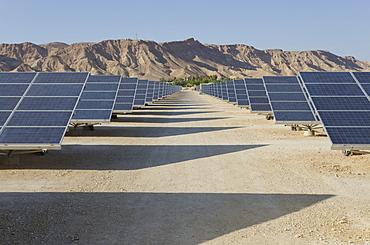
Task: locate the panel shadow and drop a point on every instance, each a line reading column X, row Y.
column 169, row 113
column 165, row 120
column 138, row 217
column 123, row 157
column 151, row 132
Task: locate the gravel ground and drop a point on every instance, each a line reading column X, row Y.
column 189, row 169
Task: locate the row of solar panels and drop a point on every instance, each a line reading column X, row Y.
column 37, row 108
column 340, row 101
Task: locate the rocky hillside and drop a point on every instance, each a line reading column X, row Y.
column 151, row 60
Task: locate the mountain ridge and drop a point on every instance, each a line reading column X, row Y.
column 151, row 60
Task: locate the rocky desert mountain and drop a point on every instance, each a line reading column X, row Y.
column 151, row 60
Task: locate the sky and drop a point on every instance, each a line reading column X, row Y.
column 338, row 26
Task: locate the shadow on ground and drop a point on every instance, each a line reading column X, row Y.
column 165, row 120
column 120, row 157
column 138, row 218
column 152, row 132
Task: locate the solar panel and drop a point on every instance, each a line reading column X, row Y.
column 257, row 96
column 39, row 117
column 241, row 93
column 126, row 95
column 150, row 92
column 343, row 108
column 288, row 100
column 231, row 91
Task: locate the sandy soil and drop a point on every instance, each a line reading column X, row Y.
column 190, row 169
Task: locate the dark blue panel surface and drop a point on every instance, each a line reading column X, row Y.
column 93, row 104
column 283, row 88
column 4, row 115
column 260, row 107
column 257, row 93
column 242, row 96
column 122, row 107
column 243, row 102
column 232, row 99
column 92, row 115
column 288, row 106
column 362, row 77
column 98, row 95
column 8, row 103
column 280, row 79
column 104, row 79
column 12, row 89
column 345, row 118
column 349, row 136
column 327, row 77
column 125, row 93
column 258, row 100
column 341, row 103
column 48, row 103
column 56, row 77
column 28, row 135
column 296, row 116
column 140, row 97
column 16, row 77
column 334, row 90
column 287, row 97
column 239, row 82
column 251, row 87
column 130, row 86
column 366, row 87
column 23, row 118
column 129, row 80
column 101, row 87
column 139, row 102
column 55, row 90
column 125, row 99
column 253, row 81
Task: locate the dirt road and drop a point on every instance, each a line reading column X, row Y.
column 189, row 169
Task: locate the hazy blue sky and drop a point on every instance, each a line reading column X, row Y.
column 339, row 26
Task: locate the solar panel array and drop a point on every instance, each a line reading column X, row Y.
column 126, row 95
column 97, row 99
column 241, row 93
column 341, row 101
column 230, row 88
column 258, row 100
column 36, row 108
column 288, row 100
column 141, row 91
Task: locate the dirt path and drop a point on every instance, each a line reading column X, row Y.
column 189, row 169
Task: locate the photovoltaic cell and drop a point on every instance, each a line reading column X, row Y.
column 294, row 116
column 90, row 95
column 48, row 118
column 345, row 118
column 94, row 105
column 32, row 135
column 48, row 103
column 362, row 77
column 334, row 90
column 341, row 103
column 55, row 90
column 19, row 77
column 4, row 116
column 349, row 136
column 289, row 106
column 63, row 77
column 9, row 103
column 13, row 89
column 92, row 115
column 327, row 77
